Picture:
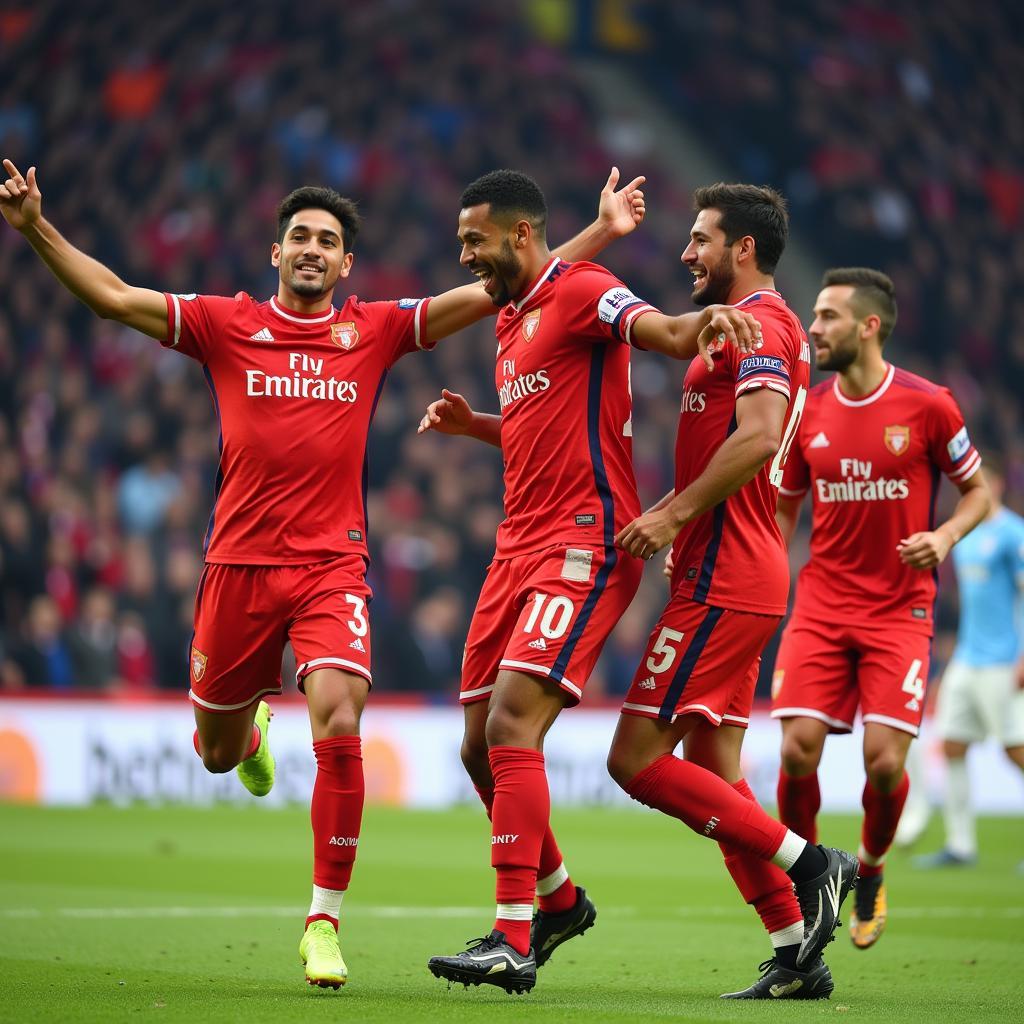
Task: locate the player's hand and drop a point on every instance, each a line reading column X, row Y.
column 925, row 550
column 646, row 536
column 450, row 414
column 728, row 325
column 620, row 212
column 21, row 202
column 670, row 564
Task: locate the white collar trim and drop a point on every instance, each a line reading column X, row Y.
column 873, row 397
column 545, row 274
column 758, row 291
column 329, row 315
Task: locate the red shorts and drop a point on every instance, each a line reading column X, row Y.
column 548, row 614
column 246, row 613
column 824, row 670
column 701, row 660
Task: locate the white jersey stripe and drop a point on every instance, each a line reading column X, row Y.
column 177, row 321
column 285, row 315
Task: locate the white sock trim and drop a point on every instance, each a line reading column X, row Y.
column 515, row 911
column 786, row 855
column 870, row 859
column 550, row 883
column 791, row 936
column 326, row 901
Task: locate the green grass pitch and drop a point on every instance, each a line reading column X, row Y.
column 177, row 914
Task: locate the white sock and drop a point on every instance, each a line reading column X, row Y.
column 326, row 901
column 959, row 815
column 786, row 855
column 547, row 885
column 791, row 936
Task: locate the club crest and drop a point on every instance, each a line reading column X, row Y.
column 199, row 661
column 344, row 335
column 530, row 323
column 897, row 439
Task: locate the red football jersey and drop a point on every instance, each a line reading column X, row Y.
column 294, row 395
column 562, row 374
column 733, row 556
column 872, row 466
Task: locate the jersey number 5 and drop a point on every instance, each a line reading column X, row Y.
column 779, row 462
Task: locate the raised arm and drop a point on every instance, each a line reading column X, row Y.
column 21, row 204
column 618, row 213
column 760, row 415
column 452, row 414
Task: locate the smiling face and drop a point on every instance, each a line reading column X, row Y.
column 837, row 332
column 710, row 260
column 311, row 256
column 491, row 252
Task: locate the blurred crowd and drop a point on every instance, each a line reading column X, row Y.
column 165, row 138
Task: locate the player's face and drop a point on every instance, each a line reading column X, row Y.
column 311, row 256
column 488, row 250
column 836, row 330
column 710, row 260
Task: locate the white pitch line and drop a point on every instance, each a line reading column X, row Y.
column 136, row 913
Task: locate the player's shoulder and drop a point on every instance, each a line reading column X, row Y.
column 582, row 274
column 914, row 384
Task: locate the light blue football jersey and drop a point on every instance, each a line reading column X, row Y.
column 989, row 564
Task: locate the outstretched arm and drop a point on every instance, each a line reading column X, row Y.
column 452, row 414
column 702, row 333
column 618, row 213
column 87, row 279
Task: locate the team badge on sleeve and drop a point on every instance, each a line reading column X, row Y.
column 530, row 323
column 198, row 664
column 344, row 335
column 897, row 439
column 959, row 445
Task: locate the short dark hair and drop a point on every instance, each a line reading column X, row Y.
column 755, row 210
column 512, row 195
column 317, row 197
column 873, row 292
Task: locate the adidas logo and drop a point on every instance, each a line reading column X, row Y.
column 648, row 684
column 263, row 334
column 819, row 440
column 540, row 644
column 357, row 645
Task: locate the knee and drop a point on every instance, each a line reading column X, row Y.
column 506, row 729
column 884, row 768
column 476, row 761
column 219, row 759
column 799, row 755
column 624, row 765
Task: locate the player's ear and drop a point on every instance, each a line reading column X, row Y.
column 745, row 249
column 522, row 233
column 275, row 255
column 346, row 264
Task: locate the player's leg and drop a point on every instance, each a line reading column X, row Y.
column 812, row 694
column 918, row 810
column 234, row 661
column 960, row 721
column 330, row 634
column 764, row 886
column 798, row 792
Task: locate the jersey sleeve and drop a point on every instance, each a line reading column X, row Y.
column 771, row 366
column 949, row 444
column 596, row 305
column 400, row 326
column 195, row 322
column 796, row 475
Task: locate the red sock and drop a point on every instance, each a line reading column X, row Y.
column 765, row 887
column 799, row 802
column 519, row 817
column 881, row 816
column 551, row 871
column 708, row 804
column 336, row 810
column 254, row 742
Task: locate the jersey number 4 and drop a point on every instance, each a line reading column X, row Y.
column 779, row 462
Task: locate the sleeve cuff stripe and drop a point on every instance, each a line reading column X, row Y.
column 785, row 491
column 419, row 318
column 968, row 468
column 636, row 311
column 762, row 382
column 176, row 336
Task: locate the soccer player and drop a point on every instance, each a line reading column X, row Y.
column 730, row 578
column 870, row 448
column 982, row 691
column 294, row 381
column 557, row 585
